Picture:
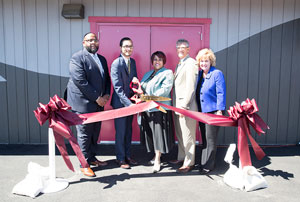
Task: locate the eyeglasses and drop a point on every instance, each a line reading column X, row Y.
column 92, row 40
column 181, row 47
column 127, row 47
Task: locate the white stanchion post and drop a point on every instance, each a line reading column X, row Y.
column 53, row 184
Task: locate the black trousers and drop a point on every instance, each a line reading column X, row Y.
column 209, row 134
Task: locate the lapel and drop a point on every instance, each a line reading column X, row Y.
column 123, row 63
column 91, row 59
column 148, row 75
column 210, row 72
column 181, row 67
column 156, row 77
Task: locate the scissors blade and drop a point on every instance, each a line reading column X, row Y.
column 154, row 98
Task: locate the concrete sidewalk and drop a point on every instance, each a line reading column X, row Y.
column 281, row 169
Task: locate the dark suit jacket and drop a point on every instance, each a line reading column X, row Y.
column 121, row 79
column 86, row 83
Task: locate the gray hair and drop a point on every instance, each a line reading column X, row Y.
column 182, row 41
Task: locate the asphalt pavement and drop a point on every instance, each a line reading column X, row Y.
column 280, row 168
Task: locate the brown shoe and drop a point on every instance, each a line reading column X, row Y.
column 131, row 161
column 98, row 163
column 88, row 172
column 123, row 164
column 175, row 162
column 185, row 169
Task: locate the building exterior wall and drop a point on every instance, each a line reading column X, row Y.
column 257, row 44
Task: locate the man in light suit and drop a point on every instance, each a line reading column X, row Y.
column 88, row 91
column 123, row 70
column 184, row 97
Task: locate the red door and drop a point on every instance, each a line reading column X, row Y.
column 146, row 40
column 110, row 36
column 164, row 38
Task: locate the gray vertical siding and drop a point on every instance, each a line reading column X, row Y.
column 264, row 67
column 293, row 132
column 4, row 132
column 257, row 44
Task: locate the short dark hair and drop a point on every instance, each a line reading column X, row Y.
column 181, row 41
column 89, row 33
column 159, row 54
column 124, row 39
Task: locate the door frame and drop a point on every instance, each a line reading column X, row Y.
column 205, row 22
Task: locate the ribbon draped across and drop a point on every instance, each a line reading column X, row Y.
column 60, row 119
column 239, row 116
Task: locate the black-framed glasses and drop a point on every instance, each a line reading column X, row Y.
column 127, row 47
column 92, row 40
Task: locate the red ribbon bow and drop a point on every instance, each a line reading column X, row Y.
column 59, row 120
column 244, row 114
column 240, row 116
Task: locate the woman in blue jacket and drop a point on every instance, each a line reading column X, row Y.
column 156, row 126
column 211, row 98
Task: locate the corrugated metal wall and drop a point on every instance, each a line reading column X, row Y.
column 257, row 44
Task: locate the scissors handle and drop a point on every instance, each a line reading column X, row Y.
column 136, row 87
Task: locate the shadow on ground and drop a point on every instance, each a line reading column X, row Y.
column 140, row 154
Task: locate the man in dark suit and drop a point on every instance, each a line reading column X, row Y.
column 88, row 91
column 123, row 70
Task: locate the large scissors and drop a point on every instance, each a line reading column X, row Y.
column 139, row 96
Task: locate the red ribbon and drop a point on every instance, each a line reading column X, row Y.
column 240, row 116
column 59, row 120
column 244, row 114
column 117, row 113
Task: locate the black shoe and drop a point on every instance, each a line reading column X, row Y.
column 151, row 162
column 130, row 161
column 204, row 171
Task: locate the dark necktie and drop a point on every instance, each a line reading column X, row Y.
column 128, row 66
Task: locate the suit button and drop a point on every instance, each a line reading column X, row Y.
column 202, row 100
column 201, row 93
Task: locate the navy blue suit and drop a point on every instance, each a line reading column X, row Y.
column 87, row 82
column 121, row 79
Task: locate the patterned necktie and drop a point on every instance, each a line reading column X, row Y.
column 128, row 66
column 97, row 60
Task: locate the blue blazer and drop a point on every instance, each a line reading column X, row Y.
column 211, row 91
column 160, row 85
column 86, row 82
column 121, row 79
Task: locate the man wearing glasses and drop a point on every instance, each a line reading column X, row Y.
column 88, row 91
column 185, row 82
column 123, row 70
